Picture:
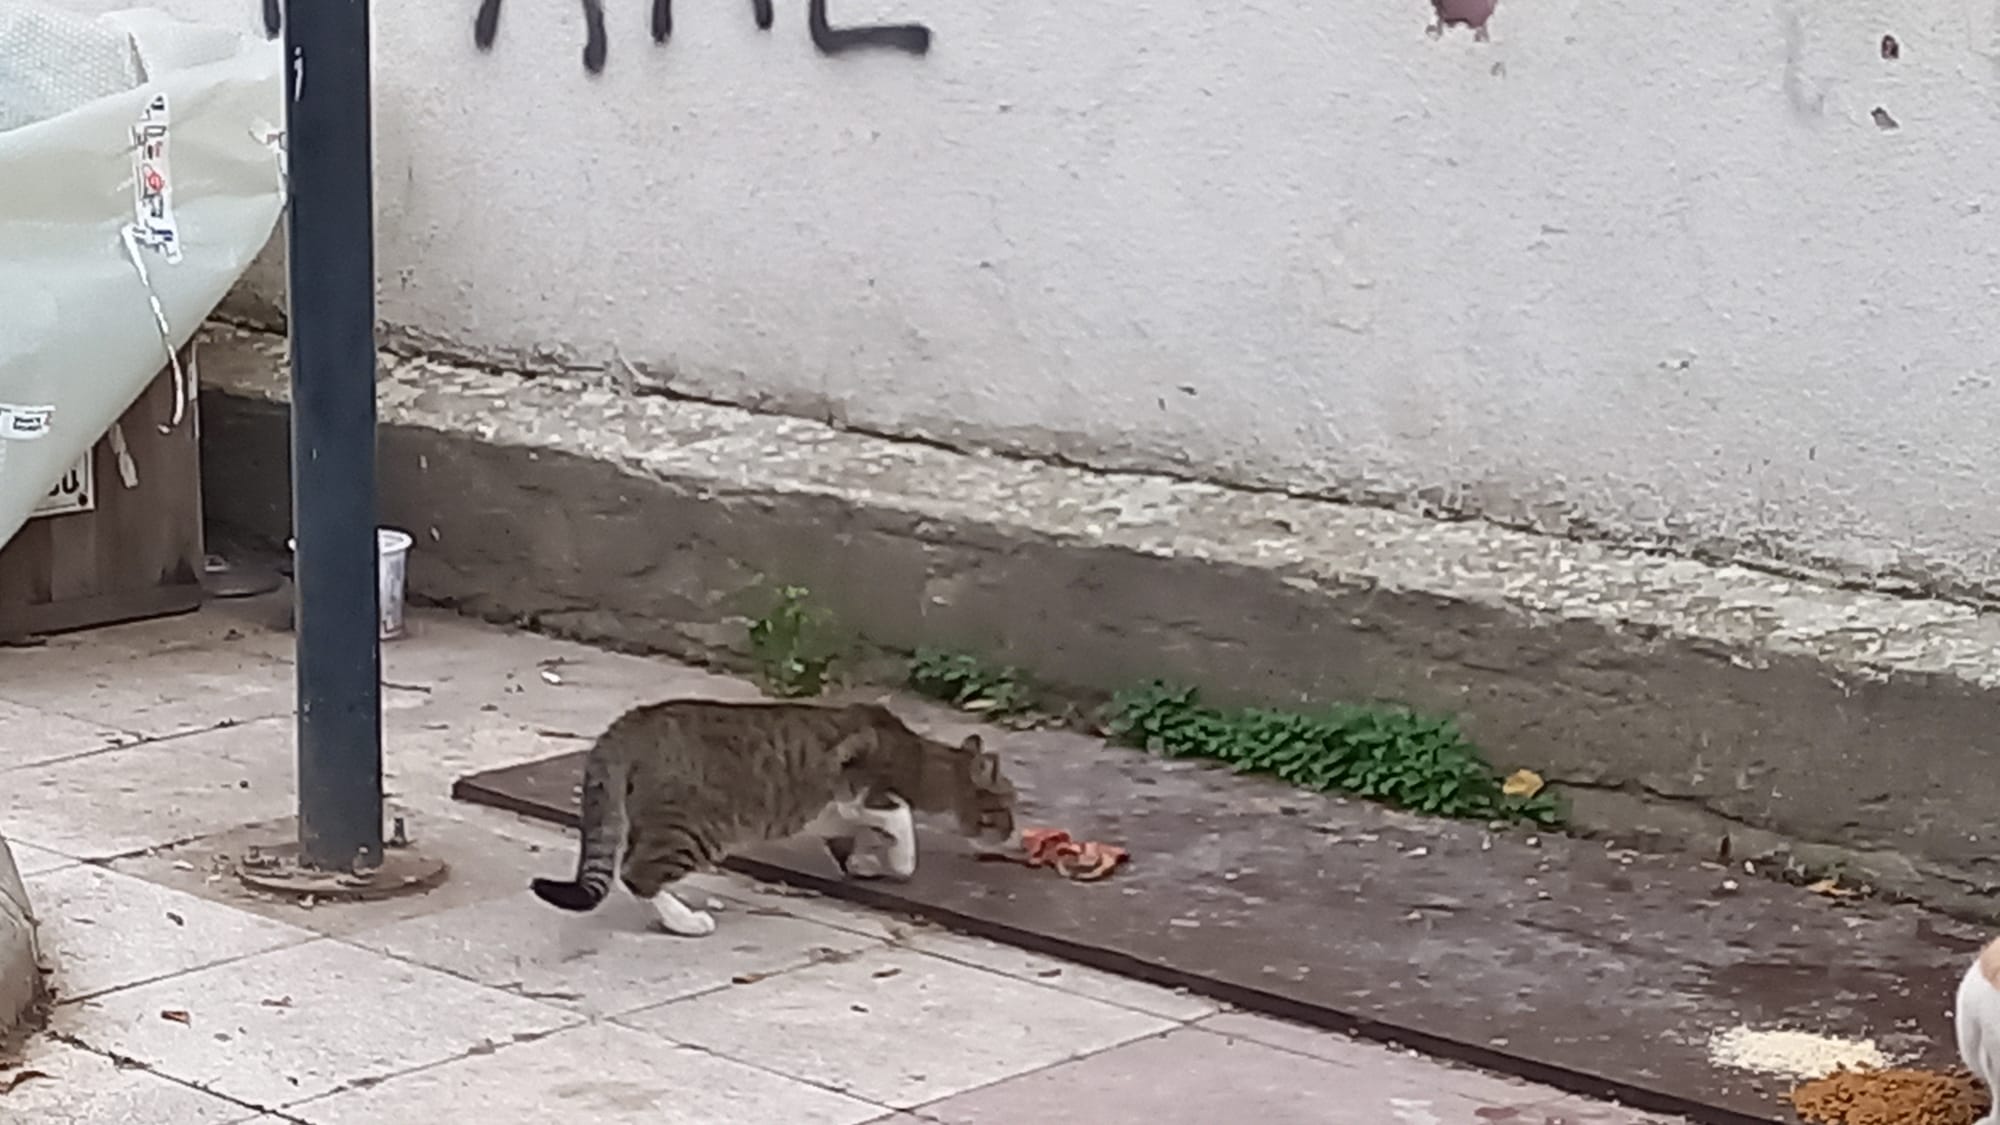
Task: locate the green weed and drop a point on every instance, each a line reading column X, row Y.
column 793, row 646
column 1387, row 754
column 970, row 684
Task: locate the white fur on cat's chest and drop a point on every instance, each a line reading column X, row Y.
column 1977, row 1019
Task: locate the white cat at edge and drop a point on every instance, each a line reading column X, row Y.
column 1977, row 1016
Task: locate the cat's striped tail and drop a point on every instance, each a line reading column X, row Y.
column 602, row 824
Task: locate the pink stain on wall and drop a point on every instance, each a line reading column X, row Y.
column 1465, row 13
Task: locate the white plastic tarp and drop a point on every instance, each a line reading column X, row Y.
column 141, row 172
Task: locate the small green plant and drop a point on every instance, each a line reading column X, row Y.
column 792, row 646
column 969, row 683
column 1388, row 754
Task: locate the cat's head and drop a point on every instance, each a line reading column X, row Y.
column 982, row 799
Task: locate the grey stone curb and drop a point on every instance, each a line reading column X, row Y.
column 1677, row 703
column 20, row 963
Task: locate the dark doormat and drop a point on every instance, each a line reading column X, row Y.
column 1599, row 971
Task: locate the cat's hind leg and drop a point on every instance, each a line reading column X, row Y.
column 655, row 862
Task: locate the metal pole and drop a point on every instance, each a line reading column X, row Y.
column 331, row 241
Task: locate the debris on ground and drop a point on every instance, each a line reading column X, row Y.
column 827, row 955
column 1832, row 888
column 1894, row 1096
column 1793, row 1054
column 1082, row 860
column 1523, row 783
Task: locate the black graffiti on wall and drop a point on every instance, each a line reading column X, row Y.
column 910, row 38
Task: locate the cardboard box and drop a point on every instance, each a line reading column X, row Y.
column 119, row 538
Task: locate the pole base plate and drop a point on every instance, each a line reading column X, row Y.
column 224, row 578
column 277, row 870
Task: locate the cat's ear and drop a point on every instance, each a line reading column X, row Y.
column 985, row 769
column 972, row 744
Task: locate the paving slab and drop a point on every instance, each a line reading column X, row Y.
column 103, row 930
column 166, row 693
column 280, row 1028
column 1566, row 961
column 609, row 961
column 600, row 1074
column 30, row 860
column 1176, row 1079
column 85, row 1088
column 154, row 794
column 35, row 736
column 897, row 1027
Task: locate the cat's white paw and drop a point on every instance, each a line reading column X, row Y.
column 694, row 923
column 677, row 917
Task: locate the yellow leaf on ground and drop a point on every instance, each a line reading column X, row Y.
column 1522, row 783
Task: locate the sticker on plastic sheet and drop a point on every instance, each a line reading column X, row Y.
column 154, row 226
column 273, row 138
column 25, row 423
column 75, row 492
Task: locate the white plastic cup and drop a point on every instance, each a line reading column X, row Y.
column 392, row 561
column 392, row 565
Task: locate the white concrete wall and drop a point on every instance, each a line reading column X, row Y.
column 1646, row 270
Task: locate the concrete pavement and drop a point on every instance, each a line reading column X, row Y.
column 157, row 751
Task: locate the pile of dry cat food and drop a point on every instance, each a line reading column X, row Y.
column 1891, row 1096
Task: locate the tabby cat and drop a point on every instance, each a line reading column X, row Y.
column 693, row 780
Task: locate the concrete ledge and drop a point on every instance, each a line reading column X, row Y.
column 1678, row 701
column 20, row 963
